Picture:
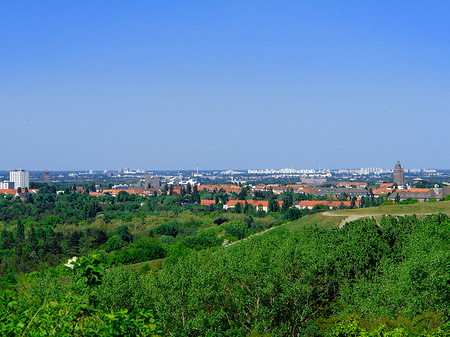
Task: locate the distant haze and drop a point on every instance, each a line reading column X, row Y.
column 224, row 84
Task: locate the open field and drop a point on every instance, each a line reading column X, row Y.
column 339, row 217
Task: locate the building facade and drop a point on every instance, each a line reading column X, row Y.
column 153, row 182
column 20, row 178
column 6, row 185
column 398, row 174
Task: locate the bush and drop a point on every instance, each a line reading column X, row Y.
column 169, row 228
column 122, row 288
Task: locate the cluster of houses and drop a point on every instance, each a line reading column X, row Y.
column 420, row 194
column 351, row 190
column 264, row 204
column 345, row 191
column 18, row 193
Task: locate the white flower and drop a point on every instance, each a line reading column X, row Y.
column 71, row 262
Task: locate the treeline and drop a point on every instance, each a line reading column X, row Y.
column 44, row 229
column 70, row 208
column 365, row 279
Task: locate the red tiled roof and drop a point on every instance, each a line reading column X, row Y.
column 233, row 203
column 384, row 185
column 226, row 188
column 311, row 203
column 417, row 190
column 297, row 186
column 147, row 191
column 310, row 190
column 207, row 187
column 255, row 203
column 352, row 183
column 8, row 191
column 207, row 202
column 115, row 192
column 379, row 191
column 279, row 188
column 176, row 190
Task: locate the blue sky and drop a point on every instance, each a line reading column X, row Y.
column 224, row 84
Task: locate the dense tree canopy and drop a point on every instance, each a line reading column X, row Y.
column 364, row 279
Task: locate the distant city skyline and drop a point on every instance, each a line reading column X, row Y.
column 226, row 85
column 250, row 170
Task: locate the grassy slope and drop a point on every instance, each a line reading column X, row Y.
column 419, row 208
column 334, row 218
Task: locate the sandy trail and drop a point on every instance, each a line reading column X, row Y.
column 354, row 217
column 348, row 218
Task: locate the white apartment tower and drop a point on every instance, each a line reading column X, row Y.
column 20, row 178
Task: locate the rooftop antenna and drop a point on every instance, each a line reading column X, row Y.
column 197, row 169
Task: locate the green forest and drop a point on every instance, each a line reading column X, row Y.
column 75, row 265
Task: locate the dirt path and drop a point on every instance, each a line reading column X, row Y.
column 348, row 218
column 354, row 217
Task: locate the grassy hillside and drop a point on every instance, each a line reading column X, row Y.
column 419, row 208
column 339, row 217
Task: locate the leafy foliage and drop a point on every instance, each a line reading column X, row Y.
column 390, row 278
column 75, row 314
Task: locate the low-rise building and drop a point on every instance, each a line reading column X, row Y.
column 313, row 180
column 335, row 192
column 9, row 191
column 309, row 204
column 279, row 189
column 7, row 185
column 258, row 204
column 420, row 194
column 351, row 184
column 116, row 192
column 207, row 202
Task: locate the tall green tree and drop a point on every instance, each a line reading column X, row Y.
column 32, row 239
column 20, row 231
column 195, row 195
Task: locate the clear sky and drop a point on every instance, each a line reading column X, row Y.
column 87, row 84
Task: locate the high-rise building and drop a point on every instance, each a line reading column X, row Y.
column 46, row 177
column 398, row 173
column 20, row 178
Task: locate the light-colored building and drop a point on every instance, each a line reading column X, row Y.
column 420, row 194
column 262, row 205
column 20, row 178
column 313, row 180
column 309, row 204
column 6, row 185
